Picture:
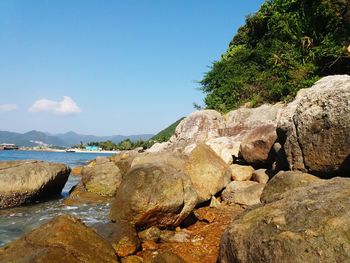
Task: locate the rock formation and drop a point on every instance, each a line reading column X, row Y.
column 23, row 182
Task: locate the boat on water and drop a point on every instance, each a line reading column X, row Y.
column 70, row 150
column 8, row 146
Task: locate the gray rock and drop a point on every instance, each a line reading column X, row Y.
column 314, row 129
column 198, row 127
column 284, row 182
column 309, row 224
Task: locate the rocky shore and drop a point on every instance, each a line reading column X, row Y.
column 266, row 184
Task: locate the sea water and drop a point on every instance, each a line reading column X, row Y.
column 14, row 222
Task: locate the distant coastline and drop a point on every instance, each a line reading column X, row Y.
column 64, row 150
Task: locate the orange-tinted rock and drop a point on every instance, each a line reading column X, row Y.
column 149, row 245
column 63, row 239
column 203, row 238
column 76, row 171
column 122, row 236
column 79, row 195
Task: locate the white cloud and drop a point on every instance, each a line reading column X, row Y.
column 65, row 107
column 8, row 107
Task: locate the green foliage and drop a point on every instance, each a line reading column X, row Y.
column 165, row 134
column 287, row 45
column 127, row 144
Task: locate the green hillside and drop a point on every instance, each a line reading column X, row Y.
column 165, row 134
column 287, row 45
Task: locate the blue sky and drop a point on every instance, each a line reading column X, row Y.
column 107, row 66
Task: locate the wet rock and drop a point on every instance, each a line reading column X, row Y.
column 284, row 182
column 243, row 193
column 152, row 195
column 79, row 195
column 63, row 239
column 23, row 182
column 208, row 172
column 102, row 178
column 241, row 172
column 260, row 176
column 122, row 237
column 308, row 224
column 314, row 129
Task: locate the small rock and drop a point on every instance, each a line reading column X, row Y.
column 241, row 172
column 152, row 233
column 132, row 259
column 243, row 193
column 149, row 245
column 167, row 257
column 205, row 214
column 260, row 176
column 76, row 171
column 168, row 236
column 214, row 202
column 122, row 236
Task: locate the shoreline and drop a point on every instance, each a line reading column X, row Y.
column 75, row 151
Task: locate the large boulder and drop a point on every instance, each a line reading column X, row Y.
column 310, row 223
column 168, row 158
column 284, row 182
column 198, row 127
column 314, row 129
column 207, row 171
column 101, row 177
column 27, row 181
column 63, row 239
column 124, row 160
column 254, row 130
column 150, row 194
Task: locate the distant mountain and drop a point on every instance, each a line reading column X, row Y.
column 35, row 138
column 74, row 138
